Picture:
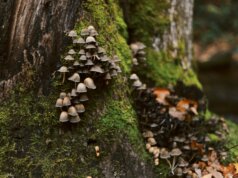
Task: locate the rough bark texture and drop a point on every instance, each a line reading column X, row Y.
column 179, row 32
column 34, row 143
column 32, row 34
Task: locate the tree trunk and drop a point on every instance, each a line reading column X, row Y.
column 32, row 39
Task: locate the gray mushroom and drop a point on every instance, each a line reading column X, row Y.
column 90, row 39
column 69, row 58
column 62, row 95
column 72, row 111
column 137, row 83
column 81, row 88
column 63, row 70
column 73, row 92
column 71, row 52
column 90, row 46
column 89, row 63
column 134, row 77
column 75, row 119
column 59, row 103
column 164, row 154
column 76, row 63
column 83, row 98
column 175, row 153
column 64, row 117
column 80, row 108
column 93, row 33
column 74, row 78
column 72, row 34
column 97, row 69
column 83, row 58
column 84, row 32
column 81, row 51
column 80, row 41
column 89, row 83
column 66, row 101
column 90, row 27
column 182, row 162
column 104, row 58
column 107, row 76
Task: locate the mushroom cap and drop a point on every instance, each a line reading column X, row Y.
column 137, row 83
column 62, row 95
column 141, row 53
column 83, row 98
column 148, row 134
column 69, row 58
column 175, row 152
column 107, row 76
column 73, row 92
column 182, row 162
column 81, row 51
column 74, row 78
column 76, row 63
column 72, row 33
column 141, row 45
column 84, row 32
column 89, row 83
column 90, row 46
column 80, row 108
column 134, row 77
column 75, row 119
column 90, row 39
column 179, row 139
column 79, row 41
column 83, row 58
column 59, row 103
column 118, row 69
column 89, row 63
column 66, row 101
column 93, row 33
column 63, row 69
column 101, row 50
column 81, row 88
column 71, row 52
column 142, row 87
column 97, row 69
column 90, row 27
column 72, row 111
column 113, row 73
column 152, row 141
column 134, row 47
column 178, row 171
column 104, row 58
column 135, row 61
column 64, row 116
column 164, row 154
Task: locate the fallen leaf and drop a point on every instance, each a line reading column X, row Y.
column 207, row 176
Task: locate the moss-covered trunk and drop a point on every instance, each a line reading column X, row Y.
column 33, row 142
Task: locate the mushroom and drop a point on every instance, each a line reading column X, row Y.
column 62, row 95
column 90, row 39
column 89, row 83
column 73, row 92
column 107, row 76
column 72, row 34
column 83, row 98
column 175, row 152
column 137, row 83
column 182, row 162
column 83, row 58
column 63, row 70
column 116, row 59
column 164, row 154
column 84, row 32
column 178, row 171
column 152, row 141
column 134, row 77
column 75, row 119
column 79, row 41
column 71, row 52
column 90, row 46
column 59, row 103
column 135, row 61
column 97, row 150
column 93, row 32
column 97, row 69
column 104, row 58
column 113, row 73
column 75, row 78
column 147, row 146
column 80, row 108
column 148, row 134
column 156, row 161
column 81, row 51
column 66, row 101
column 89, row 63
column 76, row 63
column 72, row 111
column 90, row 27
column 64, row 116
column 81, row 88
column 101, row 50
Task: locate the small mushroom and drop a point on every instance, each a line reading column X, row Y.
column 66, row 101
column 142, row 87
column 79, row 41
column 89, row 83
column 178, row 172
column 72, row 111
column 97, row 69
column 81, row 51
column 164, row 154
column 71, row 52
column 83, row 58
column 148, row 134
column 64, row 116
column 80, row 108
column 148, row 146
column 135, row 61
column 75, row 78
column 97, row 150
column 152, row 141
column 84, row 32
column 59, row 103
column 134, row 77
column 90, row 46
column 90, row 39
column 101, row 50
column 156, row 161
column 83, row 98
column 72, row 34
column 107, row 76
column 89, row 63
column 137, row 83
column 75, row 119
column 113, row 73
column 62, row 95
column 63, row 70
column 81, row 88
column 73, row 92
column 182, row 162
column 93, row 33
column 175, row 153
column 76, row 63
column 90, row 27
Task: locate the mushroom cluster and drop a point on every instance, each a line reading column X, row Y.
column 137, row 84
column 175, row 132
column 138, row 53
column 85, row 65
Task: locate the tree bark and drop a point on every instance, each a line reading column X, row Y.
column 32, row 39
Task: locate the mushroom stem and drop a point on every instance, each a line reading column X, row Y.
column 63, row 77
column 169, row 163
column 173, row 165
